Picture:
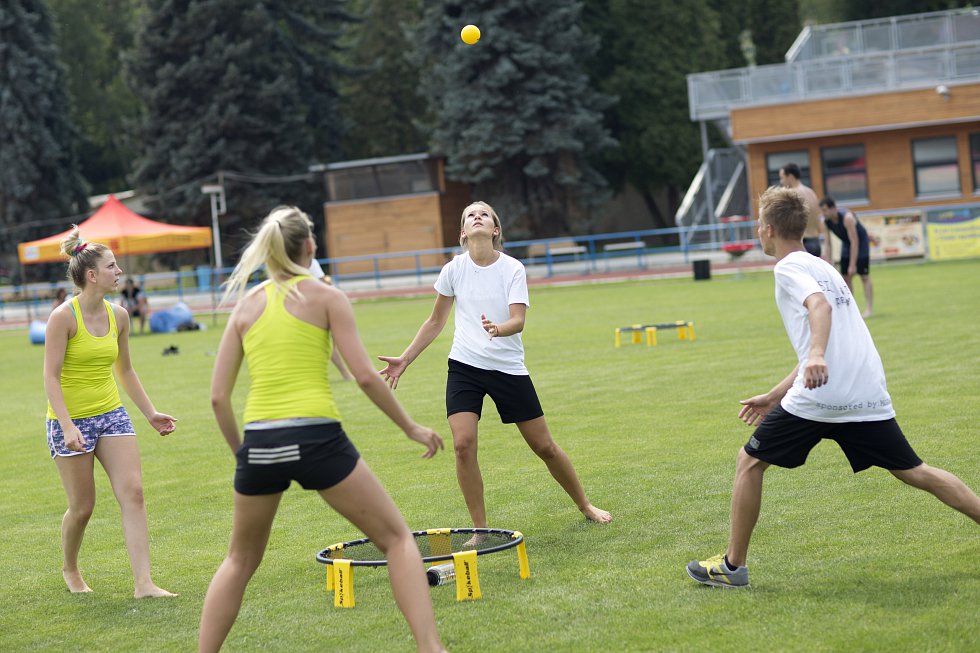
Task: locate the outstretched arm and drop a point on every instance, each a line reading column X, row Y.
column 226, row 366
column 754, row 409
column 349, row 343
column 430, row 329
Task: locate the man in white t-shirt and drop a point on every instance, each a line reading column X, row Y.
column 836, row 391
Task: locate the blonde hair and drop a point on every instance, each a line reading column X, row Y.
column 82, row 256
column 498, row 240
column 785, row 210
column 279, row 245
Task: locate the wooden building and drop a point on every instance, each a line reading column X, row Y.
column 883, row 115
column 387, row 206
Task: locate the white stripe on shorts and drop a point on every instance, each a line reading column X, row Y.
column 273, row 455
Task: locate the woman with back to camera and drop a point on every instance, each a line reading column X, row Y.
column 282, row 329
column 487, row 357
column 85, row 337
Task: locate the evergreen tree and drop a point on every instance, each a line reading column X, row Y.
column 235, row 85
column 91, row 38
column 647, row 51
column 864, row 9
column 515, row 114
column 382, row 103
column 774, row 25
column 39, row 179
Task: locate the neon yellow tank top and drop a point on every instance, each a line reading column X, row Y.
column 287, row 360
column 86, row 376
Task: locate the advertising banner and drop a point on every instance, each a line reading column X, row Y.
column 954, row 233
column 897, row 235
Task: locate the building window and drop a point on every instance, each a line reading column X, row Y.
column 937, row 170
column 975, row 160
column 776, row 160
column 845, row 173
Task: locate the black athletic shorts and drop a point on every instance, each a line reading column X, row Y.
column 512, row 394
column 316, row 456
column 812, row 245
column 785, row 440
column 863, row 265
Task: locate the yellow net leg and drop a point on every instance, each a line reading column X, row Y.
column 467, row 578
column 636, row 336
column 522, row 561
column 690, row 332
column 651, row 336
column 343, row 585
column 439, row 541
column 329, row 577
column 617, row 338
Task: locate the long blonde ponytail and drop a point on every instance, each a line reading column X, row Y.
column 279, row 245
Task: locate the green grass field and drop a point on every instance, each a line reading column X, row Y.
column 839, row 562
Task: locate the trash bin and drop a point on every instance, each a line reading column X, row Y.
column 702, row 270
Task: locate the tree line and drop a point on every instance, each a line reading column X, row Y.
column 560, row 106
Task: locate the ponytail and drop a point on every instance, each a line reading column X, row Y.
column 278, row 245
column 82, row 256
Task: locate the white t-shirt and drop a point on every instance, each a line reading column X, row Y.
column 315, row 269
column 856, row 390
column 488, row 291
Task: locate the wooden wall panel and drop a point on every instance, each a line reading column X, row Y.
column 891, row 181
column 382, row 226
column 803, row 119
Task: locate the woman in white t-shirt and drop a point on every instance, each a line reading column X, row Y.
column 487, row 358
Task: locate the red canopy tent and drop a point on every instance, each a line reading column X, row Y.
column 122, row 231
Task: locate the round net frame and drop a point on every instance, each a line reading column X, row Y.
column 435, row 545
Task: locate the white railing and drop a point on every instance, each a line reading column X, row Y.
column 886, row 34
column 712, row 95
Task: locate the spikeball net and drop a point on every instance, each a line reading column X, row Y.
column 461, row 546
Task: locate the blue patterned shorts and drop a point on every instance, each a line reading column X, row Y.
column 115, row 422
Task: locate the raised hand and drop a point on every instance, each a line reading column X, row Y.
column 756, row 408
column 396, row 366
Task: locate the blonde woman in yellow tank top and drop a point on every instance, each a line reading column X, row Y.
column 85, row 339
column 283, row 329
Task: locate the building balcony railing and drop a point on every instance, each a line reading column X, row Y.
column 712, row 95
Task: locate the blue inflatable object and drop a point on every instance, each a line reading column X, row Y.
column 167, row 320
column 36, row 332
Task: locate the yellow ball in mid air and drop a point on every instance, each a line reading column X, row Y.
column 470, row 34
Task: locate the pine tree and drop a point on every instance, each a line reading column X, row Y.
column 91, row 38
column 648, row 49
column 382, row 102
column 774, row 25
column 39, row 178
column 515, row 114
column 235, row 85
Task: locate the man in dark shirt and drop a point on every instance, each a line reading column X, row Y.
column 855, row 254
column 134, row 301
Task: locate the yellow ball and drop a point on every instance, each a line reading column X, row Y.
column 470, row 34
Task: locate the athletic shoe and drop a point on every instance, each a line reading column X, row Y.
column 714, row 572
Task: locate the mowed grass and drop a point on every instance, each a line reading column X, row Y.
column 839, row 562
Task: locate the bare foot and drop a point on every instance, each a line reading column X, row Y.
column 596, row 514
column 867, row 313
column 74, row 581
column 152, row 592
column 475, row 541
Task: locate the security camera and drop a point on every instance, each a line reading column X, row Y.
column 943, row 90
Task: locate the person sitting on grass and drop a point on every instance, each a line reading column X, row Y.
column 135, row 303
column 836, row 391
